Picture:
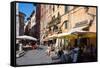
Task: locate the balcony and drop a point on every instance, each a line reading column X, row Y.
column 54, row 22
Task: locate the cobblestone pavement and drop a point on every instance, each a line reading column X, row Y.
column 36, row 56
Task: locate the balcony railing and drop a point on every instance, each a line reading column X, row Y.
column 54, row 21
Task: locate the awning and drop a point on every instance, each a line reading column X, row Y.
column 85, row 34
column 70, row 33
column 89, row 35
column 53, row 36
column 25, row 37
column 63, row 34
column 73, row 33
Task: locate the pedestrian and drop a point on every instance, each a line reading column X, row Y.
column 60, row 52
column 80, row 54
column 48, row 51
column 75, row 51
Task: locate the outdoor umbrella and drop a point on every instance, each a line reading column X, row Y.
column 70, row 34
column 26, row 37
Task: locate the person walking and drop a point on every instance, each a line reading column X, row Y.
column 60, row 52
column 48, row 51
column 75, row 53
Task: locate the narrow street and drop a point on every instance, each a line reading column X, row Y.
column 36, row 56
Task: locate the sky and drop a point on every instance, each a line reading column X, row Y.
column 27, row 9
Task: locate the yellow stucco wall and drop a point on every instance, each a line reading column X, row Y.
column 78, row 15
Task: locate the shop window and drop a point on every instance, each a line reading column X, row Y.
column 84, row 41
column 65, row 42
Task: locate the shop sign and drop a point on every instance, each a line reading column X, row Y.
column 82, row 23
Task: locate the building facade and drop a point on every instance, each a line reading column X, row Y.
column 31, row 27
column 71, row 17
column 37, row 26
column 20, row 24
column 59, row 20
column 20, row 17
column 46, row 16
column 32, row 24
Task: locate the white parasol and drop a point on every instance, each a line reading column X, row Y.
column 26, row 37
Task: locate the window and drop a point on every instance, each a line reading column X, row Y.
column 49, row 6
column 53, row 8
column 66, row 9
column 57, row 6
column 58, row 14
column 55, row 28
column 65, row 23
column 53, row 17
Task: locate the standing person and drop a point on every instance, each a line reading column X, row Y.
column 80, row 54
column 33, row 44
column 20, row 47
column 60, row 52
column 68, row 54
column 75, row 53
column 63, row 58
column 85, row 54
column 48, row 51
